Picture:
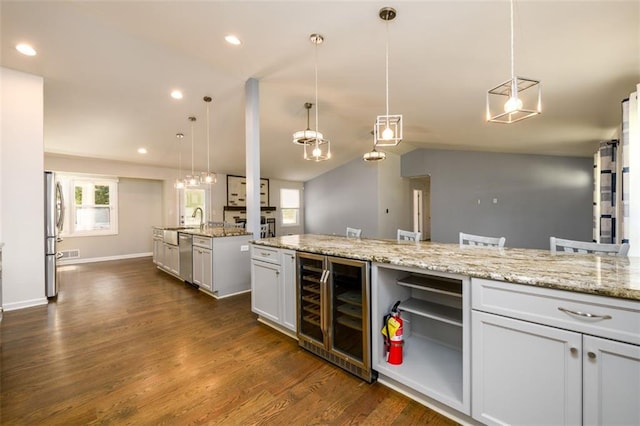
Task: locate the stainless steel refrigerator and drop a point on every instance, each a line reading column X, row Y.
column 53, row 221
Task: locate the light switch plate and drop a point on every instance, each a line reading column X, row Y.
column 244, row 247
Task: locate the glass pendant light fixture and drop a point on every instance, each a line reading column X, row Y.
column 318, row 149
column 388, row 127
column 192, row 179
column 515, row 99
column 306, row 136
column 179, row 184
column 374, row 155
column 208, row 178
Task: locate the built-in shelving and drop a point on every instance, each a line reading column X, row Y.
column 436, row 360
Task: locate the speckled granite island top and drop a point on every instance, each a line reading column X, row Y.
column 603, row 275
column 215, row 232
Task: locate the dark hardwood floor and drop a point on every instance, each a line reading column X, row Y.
column 126, row 344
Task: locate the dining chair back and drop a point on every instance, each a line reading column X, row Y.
column 573, row 246
column 479, row 240
column 408, row 235
column 353, row 232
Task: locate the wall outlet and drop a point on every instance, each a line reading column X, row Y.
column 244, row 247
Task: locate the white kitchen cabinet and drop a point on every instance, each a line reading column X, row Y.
column 524, row 373
column 288, row 275
column 611, row 382
column 435, row 308
column 544, row 356
column 265, row 283
column 203, row 263
column 273, row 289
column 171, row 259
column 158, row 247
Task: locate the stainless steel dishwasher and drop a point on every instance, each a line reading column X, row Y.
column 185, row 244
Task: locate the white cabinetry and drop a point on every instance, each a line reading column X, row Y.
column 436, row 353
column 265, row 282
column 543, row 356
column 171, row 259
column 158, row 248
column 273, row 290
column 288, row 275
column 203, row 263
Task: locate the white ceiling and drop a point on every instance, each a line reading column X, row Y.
column 109, row 66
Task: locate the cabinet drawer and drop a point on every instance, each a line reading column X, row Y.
column 202, row 241
column 266, row 254
column 612, row 318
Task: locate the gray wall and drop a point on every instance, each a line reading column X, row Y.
column 140, row 207
column 394, row 199
column 537, row 196
column 345, row 196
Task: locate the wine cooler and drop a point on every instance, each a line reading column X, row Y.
column 333, row 311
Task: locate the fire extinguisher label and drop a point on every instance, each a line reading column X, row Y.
column 393, row 325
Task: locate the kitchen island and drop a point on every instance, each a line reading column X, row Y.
column 502, row 335
column 216, row 259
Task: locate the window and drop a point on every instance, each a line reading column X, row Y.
column 194, row 198
column 290, row 206
column 92, row 203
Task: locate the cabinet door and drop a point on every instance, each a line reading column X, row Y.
column 289, row 289
column 202, row 268
column 158, row 252
column 611, row 382
column 171, row 258
column 265, row 290
column 524, row 373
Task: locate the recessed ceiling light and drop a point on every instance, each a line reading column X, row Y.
column 26, row 49
column 231, row 39
column 176, row 94
column 142, row 150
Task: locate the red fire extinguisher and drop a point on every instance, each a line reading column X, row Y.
column 393, row 335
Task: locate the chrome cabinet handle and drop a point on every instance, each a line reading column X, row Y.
column 591, row 355
column 584, row 314
column 574, row 351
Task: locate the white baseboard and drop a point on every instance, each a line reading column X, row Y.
column 24, row 304
column 104, row 259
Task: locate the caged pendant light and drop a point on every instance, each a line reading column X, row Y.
column 192, row 179
column 208, row 177
column 318, row 148
column 374, row 154
column 515, row 99
column 179, row 184
column 388, row 130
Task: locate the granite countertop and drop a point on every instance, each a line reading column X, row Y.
column 216, row 232
column 603, row 275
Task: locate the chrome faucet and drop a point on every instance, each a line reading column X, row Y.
column 201, row 216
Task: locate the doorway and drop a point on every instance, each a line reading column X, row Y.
column 420, row 188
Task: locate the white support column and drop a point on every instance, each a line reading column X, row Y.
column 252, row 147
column 634, row 174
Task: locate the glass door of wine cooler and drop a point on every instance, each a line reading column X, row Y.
column 311, row 272
column 349, row 307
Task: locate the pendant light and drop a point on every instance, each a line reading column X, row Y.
column 388, row 127
column 374, row 155
column 192, row 179
column 318, row 149
column 179, row 184
column 208, row 178
column 515, row 99
column 306, row 136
